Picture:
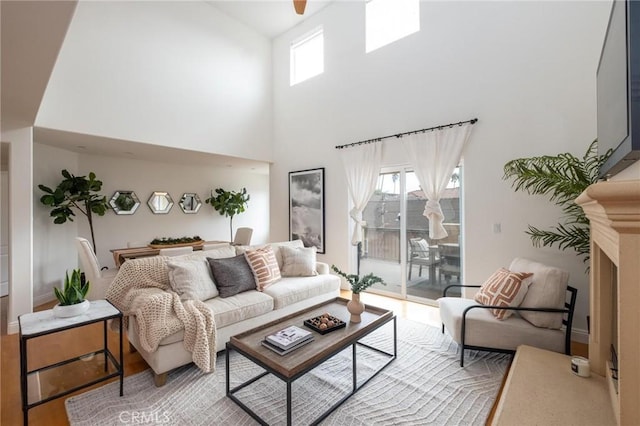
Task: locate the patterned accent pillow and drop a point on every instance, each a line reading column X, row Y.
column 298, row 262
column 191, row 279
column 232, row 275
column 504, row 288
column 264, row 266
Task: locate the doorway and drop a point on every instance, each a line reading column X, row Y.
column 396, row 244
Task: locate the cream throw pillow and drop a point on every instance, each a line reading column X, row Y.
column 548, row 289
column 298, row 262
column 191, row 279
column 264, row 266
column 503, row 288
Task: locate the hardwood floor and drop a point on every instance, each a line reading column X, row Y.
column 78, row 341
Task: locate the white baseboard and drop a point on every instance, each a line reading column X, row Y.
column 579, row 335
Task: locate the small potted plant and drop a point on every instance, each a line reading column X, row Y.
column 358, row 284
column 72, row 296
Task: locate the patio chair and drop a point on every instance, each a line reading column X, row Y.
column 422, row 255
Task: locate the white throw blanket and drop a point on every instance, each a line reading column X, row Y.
column 142, row 289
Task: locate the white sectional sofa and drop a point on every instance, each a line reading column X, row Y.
column 242, row 311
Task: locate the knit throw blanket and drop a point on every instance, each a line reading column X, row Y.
column 141, row 288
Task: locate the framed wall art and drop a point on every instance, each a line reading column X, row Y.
column 306, row 207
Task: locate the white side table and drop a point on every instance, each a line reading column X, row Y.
column 43, row 323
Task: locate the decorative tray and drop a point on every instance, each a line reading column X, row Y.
column 161, row 246
column 324, row 323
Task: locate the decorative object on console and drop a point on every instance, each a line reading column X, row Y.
column 229, row 204
column 124, row 202
column 72, row 296
column 358, row 284
column 190, row 203
column 75, row 192
column 176, row 242
column 160, row 202
column 306, row 208
column 563, row 177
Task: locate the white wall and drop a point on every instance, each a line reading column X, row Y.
column 54, row 249
column 178, row 74
column 525, row 69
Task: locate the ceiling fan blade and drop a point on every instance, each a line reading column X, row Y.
column 299, row 6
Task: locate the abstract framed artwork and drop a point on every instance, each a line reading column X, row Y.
column 306, row 207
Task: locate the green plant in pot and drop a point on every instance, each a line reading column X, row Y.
column 563, row 178
column 357, row 284
column 75, row 193
column 71, row 297
column 229, row 204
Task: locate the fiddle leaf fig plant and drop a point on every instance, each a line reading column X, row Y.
column 563, row 178
column 229, row 204
column 75, row 193
column 74, row 291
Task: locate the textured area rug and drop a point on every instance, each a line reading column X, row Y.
column 424, row 385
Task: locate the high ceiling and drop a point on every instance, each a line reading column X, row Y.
column 268, row 17
column 32, row 34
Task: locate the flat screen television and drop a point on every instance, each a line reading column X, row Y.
column 618, row 88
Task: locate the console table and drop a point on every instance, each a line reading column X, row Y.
column 541, row 389
column 89, row 368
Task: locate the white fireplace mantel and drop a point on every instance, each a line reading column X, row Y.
column 613, row 209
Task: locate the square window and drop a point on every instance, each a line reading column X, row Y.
column 307, row 56
column 390, row 20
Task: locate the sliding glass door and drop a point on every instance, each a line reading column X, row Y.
column 396, row 244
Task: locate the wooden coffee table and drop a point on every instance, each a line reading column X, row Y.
column 297, row 363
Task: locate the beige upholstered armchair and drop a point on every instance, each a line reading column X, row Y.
column 528, row 304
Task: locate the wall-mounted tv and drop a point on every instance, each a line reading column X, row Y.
column 618, row 88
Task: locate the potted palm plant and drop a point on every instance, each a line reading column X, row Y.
column 357, row 284
column 563, row 178
column 71, row 297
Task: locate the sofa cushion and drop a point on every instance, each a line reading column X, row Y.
column 484, row 329
column 242, row 306
column 230, row 310
column 191, row 279
column 278, row 245
column 548, row 289
column 298, row 262
column 232, row 275
column 218, row 252
column 264, row 266
column 503, row 288
column 290, row 290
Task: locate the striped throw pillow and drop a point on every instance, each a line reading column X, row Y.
column 264, row 266
column 504, row 288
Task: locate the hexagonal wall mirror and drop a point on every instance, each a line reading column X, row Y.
column 160, row 202
column 124, row 202
column 190, row 203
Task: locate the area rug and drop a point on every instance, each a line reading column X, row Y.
column 424, row 385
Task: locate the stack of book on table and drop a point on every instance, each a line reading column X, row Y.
column 287, row 340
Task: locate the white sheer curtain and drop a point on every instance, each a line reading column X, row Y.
column 362, row 167
column 434, row 155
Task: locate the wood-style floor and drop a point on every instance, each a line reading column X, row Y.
column 53, row 348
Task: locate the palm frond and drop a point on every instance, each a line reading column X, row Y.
column 562, row 178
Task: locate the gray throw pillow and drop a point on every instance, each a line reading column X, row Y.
column 232, row 275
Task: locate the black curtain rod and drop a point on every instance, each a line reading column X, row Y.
column 399, row 135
